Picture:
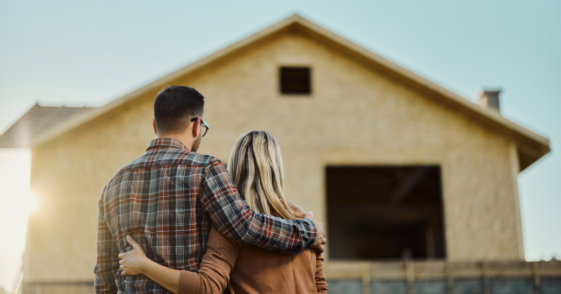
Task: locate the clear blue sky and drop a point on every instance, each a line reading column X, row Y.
column 89, row 53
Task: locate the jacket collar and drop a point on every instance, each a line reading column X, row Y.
column 166, row 143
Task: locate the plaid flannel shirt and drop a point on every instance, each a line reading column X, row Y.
column 167, row 200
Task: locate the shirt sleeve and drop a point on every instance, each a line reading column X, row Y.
column 321, row 283
column 214, row 273
column 233, row 218
column 107, row 262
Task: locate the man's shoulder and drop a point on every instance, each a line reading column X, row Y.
column 197, row 159
column 183, row 158
column 179, row 158
column 136, row 163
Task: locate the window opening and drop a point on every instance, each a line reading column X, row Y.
column 295, row 80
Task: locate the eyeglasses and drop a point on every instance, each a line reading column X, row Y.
column 204, row 125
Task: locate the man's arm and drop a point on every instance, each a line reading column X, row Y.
column 107, row 263
column 235, row 220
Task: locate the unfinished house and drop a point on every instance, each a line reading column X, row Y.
column 416, row 185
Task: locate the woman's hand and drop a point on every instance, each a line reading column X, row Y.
column 132, row 263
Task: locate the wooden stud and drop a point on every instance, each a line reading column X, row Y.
column 537, row 280
column 486, row 282
column 410, row 276
column 449, row 278
column 365, row 277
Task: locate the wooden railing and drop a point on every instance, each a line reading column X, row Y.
column 411, row 271
column 366, row 272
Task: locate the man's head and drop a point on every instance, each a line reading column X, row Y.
column 175, row 111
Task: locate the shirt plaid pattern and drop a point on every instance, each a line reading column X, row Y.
column 167, row 200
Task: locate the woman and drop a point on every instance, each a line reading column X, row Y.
column 256, row 168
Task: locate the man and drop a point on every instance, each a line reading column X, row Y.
column 168, row 198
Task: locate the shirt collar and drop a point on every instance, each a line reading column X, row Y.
column 166, row 143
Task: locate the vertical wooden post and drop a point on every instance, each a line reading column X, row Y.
column 537, row 280
column 429, row 238
column 410, row 276
column 365, row 277
column 486, row 282
column 449, row 278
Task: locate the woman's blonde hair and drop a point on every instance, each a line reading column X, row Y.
column 256, row 168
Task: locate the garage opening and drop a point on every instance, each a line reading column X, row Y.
column 385, row 212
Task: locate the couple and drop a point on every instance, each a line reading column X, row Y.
column 173, row 220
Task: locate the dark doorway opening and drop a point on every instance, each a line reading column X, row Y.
column 385, row 212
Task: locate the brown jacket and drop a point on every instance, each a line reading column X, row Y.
column 253, row 270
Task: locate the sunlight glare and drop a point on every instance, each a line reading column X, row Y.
column 30, row 202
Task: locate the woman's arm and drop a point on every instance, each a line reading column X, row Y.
column 135, row 263
column 213, row 276
column 321, row 283
column 166, row 277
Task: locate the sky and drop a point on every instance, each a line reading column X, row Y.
column 88, row 53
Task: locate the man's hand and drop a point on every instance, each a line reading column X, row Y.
column 320, row 240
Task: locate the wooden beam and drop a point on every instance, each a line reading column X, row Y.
column 442, row 270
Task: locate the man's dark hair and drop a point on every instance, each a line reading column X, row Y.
column 175, row 106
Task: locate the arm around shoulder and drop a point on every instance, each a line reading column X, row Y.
column 220, row 198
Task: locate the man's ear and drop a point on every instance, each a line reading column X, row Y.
column 154, row 126
column 196, row 128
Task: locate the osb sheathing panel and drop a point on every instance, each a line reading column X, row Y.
column 355, row 115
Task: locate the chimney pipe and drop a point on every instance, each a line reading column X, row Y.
column 490, row 99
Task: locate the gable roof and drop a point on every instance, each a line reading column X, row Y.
column 38, row 120
column 531, row 146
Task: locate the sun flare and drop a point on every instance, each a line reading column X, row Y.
column 31, row 202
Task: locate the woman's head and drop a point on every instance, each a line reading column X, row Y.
column 256, row 168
